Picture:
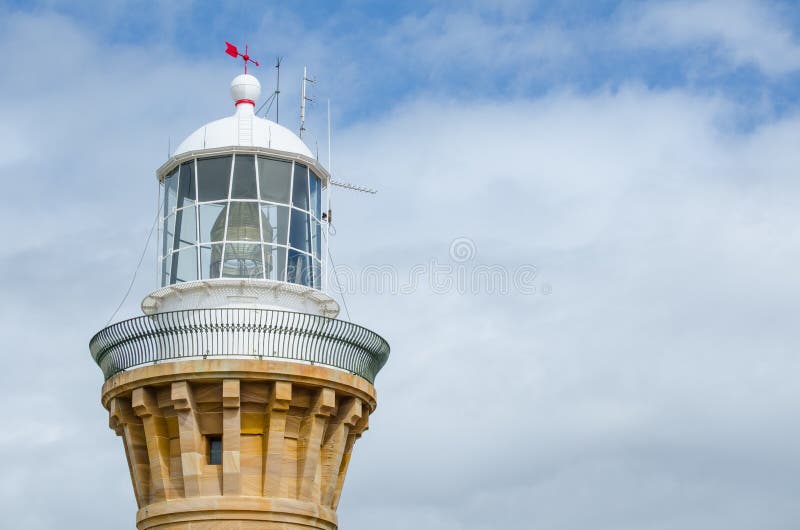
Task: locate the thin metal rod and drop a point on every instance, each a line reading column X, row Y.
column 278, row 92
column 159, row 233
column 353, row 187
column 303, row 103
column 303, row 99
column 330, row 156
column 328, row 203
column 268, row 100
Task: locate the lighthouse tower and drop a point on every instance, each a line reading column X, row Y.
column 238, row 395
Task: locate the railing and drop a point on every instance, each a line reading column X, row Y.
column 256, row 333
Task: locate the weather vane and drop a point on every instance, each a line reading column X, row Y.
column 234, row 52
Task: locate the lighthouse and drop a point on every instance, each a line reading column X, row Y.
column 238, row 394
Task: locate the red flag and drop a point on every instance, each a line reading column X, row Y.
column 231, row 50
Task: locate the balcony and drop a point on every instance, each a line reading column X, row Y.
column 215, row 333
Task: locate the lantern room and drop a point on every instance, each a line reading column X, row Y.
column 242, row 215
column 243, row 203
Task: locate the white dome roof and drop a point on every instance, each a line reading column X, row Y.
column 244, row 128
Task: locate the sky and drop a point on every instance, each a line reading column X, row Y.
column 637, row 161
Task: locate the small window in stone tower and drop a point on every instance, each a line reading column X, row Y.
column 215, row 450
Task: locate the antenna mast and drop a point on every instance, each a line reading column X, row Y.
column 278, row 91
column 303, row 100
column 275, row 97
column 330, row 156
column 353, row 187
column 339, row 184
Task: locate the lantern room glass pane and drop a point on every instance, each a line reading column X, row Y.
column 298, row 269
column 165, row 270
column 170, row 192
column 316, row 239
column 315, row 192
column 282, row 251
column 300, row 187
column 186, row 227
column 274, row 179
column 300, row 231
column 243, row 222
column 212, row 221
column 210, row 261
column 213, row 178
column 243, row 260
column 184, row 265
column 275, row 223
column 187, row 194
column 275, row 262
column 243, row 216
column 244, row 178
column 316, row 274
column 168, row 236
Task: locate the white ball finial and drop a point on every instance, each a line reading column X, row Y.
column 245, row 89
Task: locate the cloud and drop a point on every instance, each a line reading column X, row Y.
column 641, row 392
column 746, row 33
column 444, row 39
column 652, row 389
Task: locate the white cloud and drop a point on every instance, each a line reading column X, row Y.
column 446, row 40
column 645, row 392
column 640, row 394
column 744, row 33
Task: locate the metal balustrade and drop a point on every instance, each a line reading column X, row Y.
column 258, row 333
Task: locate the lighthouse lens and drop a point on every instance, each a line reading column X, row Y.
column 243, row 223
column 243, row 260
column 242, row 256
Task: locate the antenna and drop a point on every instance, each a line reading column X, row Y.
column 340, row 184
column 234, row 52
column 275, row 97
column 353, row 187
column 330, row 156
column 303, row 99
column 278, row 90
column 328, row 205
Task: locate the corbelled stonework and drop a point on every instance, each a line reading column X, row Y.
column 287, row 433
